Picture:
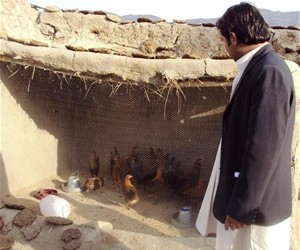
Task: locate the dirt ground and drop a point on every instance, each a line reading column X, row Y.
column 106, row 223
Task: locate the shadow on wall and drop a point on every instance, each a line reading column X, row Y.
column 4, row 189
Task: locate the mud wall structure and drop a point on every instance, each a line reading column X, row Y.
column 76, row 81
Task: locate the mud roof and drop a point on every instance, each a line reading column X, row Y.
column 100, row 46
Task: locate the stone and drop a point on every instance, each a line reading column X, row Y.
column 52, row 9
column 13, row 205
column 86, row 12
column 6, row 242
column 164, row 54
column 220, row 55
column 75, row 48
column 71, row 234
column 71, row 10
column 149, row 46
column 144, row 20
column 36, row 43
column 24, row 218
column 101, row 50
column 99, row 12
column 208, row 25
column 161, row 20
column 73, row 244
column 113, row 18
column 189, row 56
column 47, row 30
column 30, row 232
column 6, row 228
column 142, row 55
column 180, row 21
column 56, row 220
column 293, row 28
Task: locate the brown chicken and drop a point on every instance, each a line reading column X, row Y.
column 148, row 172
column 133, row 151
column 94, row 183
column 132, row 162
column 152, row 157
column 155, row 185
column 180, row 180
column 94, row 164
column 195, row 194
column 114, row 153
column 132, row 157
column 134, row 166
column 160, row 159
column 130, row 192
column 119, row 163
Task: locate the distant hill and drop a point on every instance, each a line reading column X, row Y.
column 273, row 18
column 278, row 18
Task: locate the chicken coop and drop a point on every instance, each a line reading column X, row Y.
column 83, row 116
column 112, row 98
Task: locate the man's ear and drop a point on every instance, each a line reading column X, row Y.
column 233, row 38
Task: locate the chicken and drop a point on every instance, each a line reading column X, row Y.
column 131, row 162
column 155, row 161
column 130, row 192
column 114, row 153
column 149, row 172
column 178, row 179
column 170, row 163
column 133, row 152
column 94, row 164
column 188, row 179
column 195, row 194
column 160, row 159
column 119, row 163
column 155, row 185
column 152, row 157
column 111, row 163
column 173, row 174
column 94, row 183
column 134, row 165
column 196, row 170
column 167, row 157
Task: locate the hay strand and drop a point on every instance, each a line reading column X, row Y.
column 146, row 94
column 13, row 72
column 88, row 90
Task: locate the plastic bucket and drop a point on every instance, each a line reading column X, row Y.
column 53, row 205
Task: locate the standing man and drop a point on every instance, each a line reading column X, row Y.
column 249, row 193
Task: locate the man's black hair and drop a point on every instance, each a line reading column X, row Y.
column 246, row 22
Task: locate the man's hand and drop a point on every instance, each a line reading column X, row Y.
column 233, row 224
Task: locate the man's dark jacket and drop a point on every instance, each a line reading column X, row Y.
column 255, row 171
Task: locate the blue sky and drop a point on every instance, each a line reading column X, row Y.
column 175, row 9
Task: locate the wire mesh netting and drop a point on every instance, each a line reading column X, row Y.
column 150, row 127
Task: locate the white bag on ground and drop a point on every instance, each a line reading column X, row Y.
column 53, row 205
